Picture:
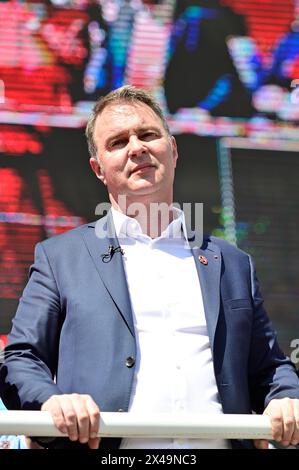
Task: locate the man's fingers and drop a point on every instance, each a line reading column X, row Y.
column 295, row 437
column 70, row 417
column 274, row 412
column 54, row 407
column 284, row 417
column 288, row 424
column 87, row 415
column 77, row 415
column 94, row 417
column 94, row 443
column 82, row 417
column 261, row 443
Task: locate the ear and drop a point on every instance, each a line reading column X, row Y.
column 98, row 171
column 174, row 150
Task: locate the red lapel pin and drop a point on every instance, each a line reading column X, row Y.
column 203, row 260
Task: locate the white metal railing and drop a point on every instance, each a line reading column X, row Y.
column 180, row 425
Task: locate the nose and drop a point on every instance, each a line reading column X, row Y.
column 136, row 147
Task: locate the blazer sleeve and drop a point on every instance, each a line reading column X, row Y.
column 271, row 374
column 30, row 358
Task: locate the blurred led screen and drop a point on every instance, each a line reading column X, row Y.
column 218, row 68
column 267, row 227
column 204, row 60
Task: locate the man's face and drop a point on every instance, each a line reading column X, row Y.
column 136, row 156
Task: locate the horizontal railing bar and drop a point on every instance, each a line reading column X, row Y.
column 162, row 425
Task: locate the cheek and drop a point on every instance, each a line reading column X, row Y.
column 113, row 163
column 162, row 152
column 114, row 172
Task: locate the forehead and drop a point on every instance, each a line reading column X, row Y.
column 119, row 117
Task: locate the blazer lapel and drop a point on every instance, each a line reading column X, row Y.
column 97, row 237
column 207, row 257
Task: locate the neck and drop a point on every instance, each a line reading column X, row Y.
column 153, row 215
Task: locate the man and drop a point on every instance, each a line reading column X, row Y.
column 126, row 321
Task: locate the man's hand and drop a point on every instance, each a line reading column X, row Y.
column 284, row 417
column 76, row 415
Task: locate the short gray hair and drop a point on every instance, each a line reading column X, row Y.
column 125, row 94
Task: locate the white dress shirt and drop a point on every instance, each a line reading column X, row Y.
column 174, row 369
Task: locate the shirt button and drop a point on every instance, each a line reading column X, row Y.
column 130, row 361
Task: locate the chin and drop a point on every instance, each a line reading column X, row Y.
column 144, row 190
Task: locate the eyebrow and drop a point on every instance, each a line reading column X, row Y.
column 123, row 133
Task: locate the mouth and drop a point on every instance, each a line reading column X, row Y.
column 145, row 166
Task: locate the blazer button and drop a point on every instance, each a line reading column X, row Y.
column 130, row 361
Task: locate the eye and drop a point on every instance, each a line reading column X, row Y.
column 118, row 143
column 148, row 135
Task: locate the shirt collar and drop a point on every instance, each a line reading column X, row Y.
column 126, row 226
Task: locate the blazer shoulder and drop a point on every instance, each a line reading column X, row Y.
column 228, row 249
column 67, row 238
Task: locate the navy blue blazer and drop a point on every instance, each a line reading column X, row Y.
column 74, row 323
